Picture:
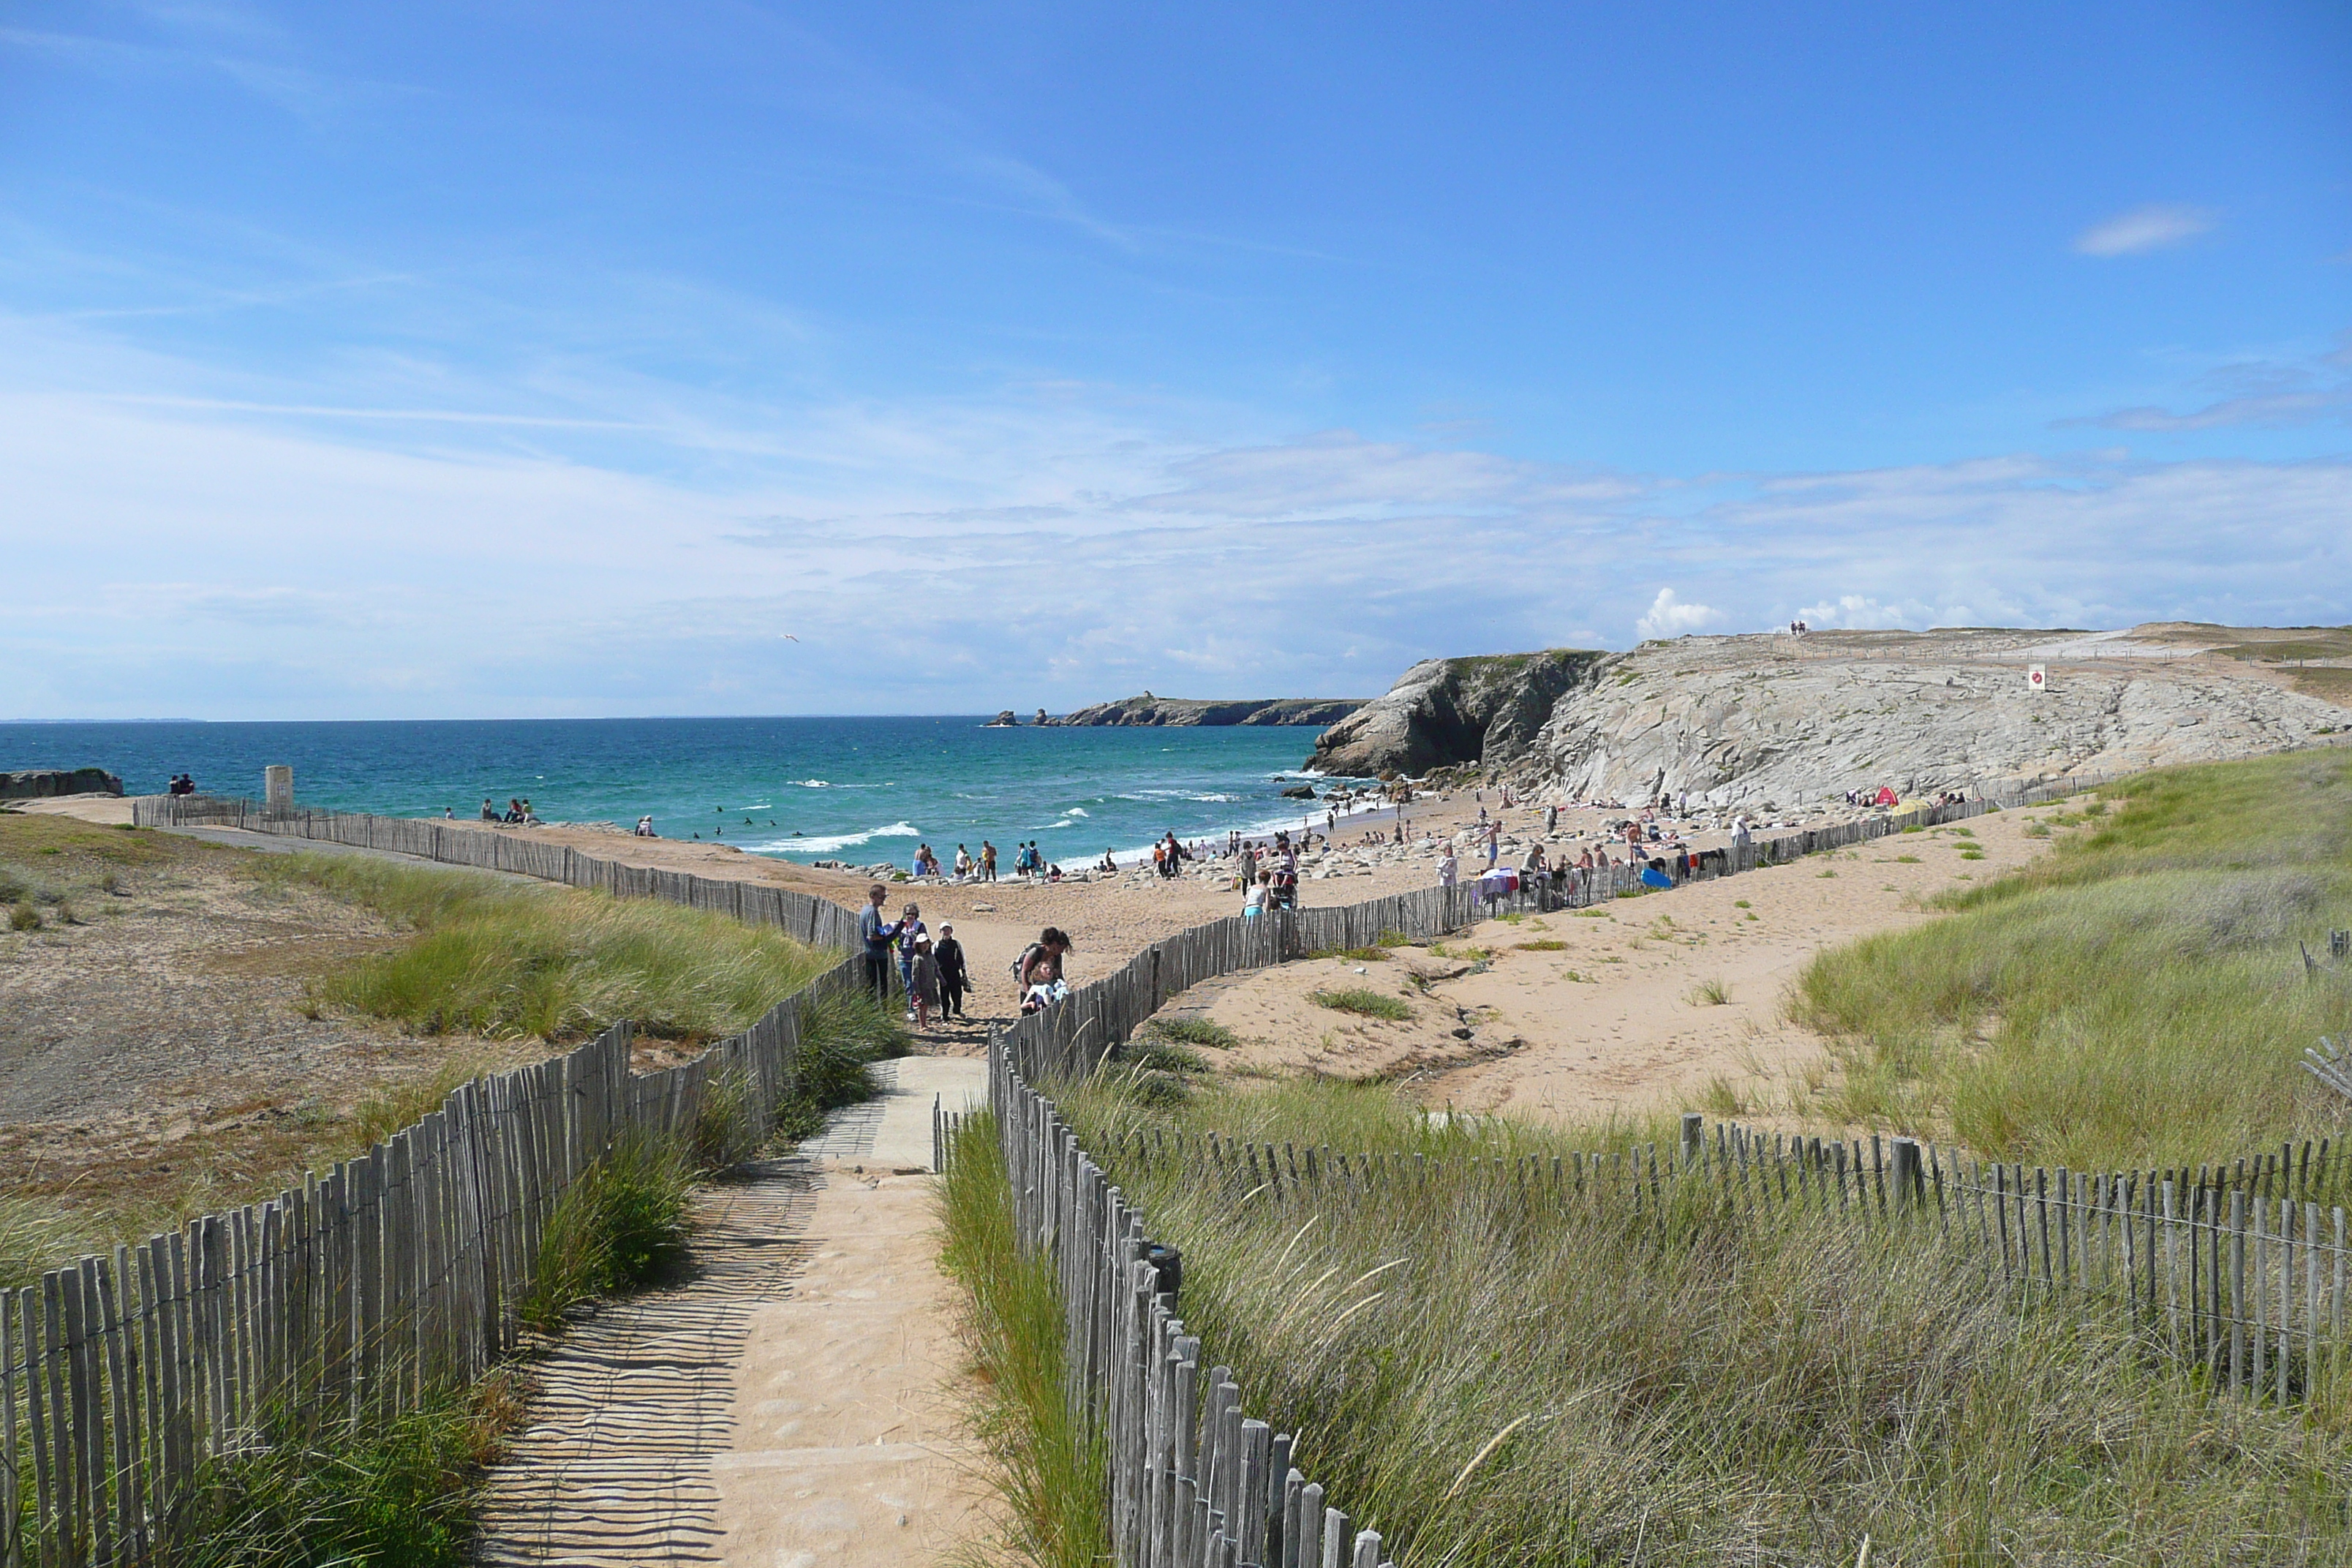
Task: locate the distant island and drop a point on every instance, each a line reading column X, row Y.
column 1147, row 711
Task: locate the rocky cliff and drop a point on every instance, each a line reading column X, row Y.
column 1445, row 711
column 1769, row 718
column 38, row 782
column 1150, row 711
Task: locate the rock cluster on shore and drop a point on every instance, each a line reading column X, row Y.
column 1763, row 719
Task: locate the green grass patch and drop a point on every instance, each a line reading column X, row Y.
column 1051, row 1474
column 1358, row 954
column 1195, row 1032
column 2133, row 997
column 503, row 959
column 1364, row 1001
column 321, row 1496
column 1542, row 944
column 1712, row 992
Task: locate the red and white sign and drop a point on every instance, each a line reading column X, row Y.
column 2036, row 678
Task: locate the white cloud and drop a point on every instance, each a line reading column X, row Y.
column 1028, row 546
column 1860, row 612
column 2151, row 228
column 1670, row 617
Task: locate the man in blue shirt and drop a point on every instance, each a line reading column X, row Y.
column 880, row 937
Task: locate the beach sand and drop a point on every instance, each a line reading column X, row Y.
column 1579, row 1015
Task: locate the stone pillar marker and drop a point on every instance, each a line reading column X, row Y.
column 277, row 787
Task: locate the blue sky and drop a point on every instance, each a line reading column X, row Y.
column 496, row 359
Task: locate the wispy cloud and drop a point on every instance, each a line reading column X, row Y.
column 2152, row 228
column 2268, row 394
column 189, row 541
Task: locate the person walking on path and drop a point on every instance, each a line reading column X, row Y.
column 910, row 932
column 880, row 936
column 954, row 978
column 923, row 985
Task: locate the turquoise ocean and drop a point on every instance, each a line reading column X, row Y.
column 861, row 790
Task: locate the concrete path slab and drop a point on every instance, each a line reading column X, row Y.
column 893, row 1132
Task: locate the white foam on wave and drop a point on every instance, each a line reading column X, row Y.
column 827, row 843
column 812, row 783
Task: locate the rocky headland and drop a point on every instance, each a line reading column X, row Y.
column 1773, row 718
column 1148, row 711
column 41, row 784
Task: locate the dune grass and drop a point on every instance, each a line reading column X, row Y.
column 1485, row 1381
column 503, row 959
column 1364, row 1002
column 1051, row 1475
column 621, row 1226
column 2137, row 996
column 1194, row 1032
column 323, row 1496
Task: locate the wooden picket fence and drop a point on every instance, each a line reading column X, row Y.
column 125, row 1378
column 820, row 922
column 1193, row 1480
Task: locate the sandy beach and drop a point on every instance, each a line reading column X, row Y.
column 1568, row 1015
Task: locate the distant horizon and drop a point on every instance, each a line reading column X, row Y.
column 1025, row 711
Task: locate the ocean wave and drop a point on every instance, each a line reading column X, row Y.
column 827, row 843
column 1076, row 811
column 812, row 783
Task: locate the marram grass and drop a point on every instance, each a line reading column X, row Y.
column 1488, row 1381
column 2136, row 997
column 1049, row 1473
column 501, row 959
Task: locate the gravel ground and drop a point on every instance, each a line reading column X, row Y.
column 154, row 1044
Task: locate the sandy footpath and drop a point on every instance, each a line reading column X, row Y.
column 850, row 1444
column 1575, row 1015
